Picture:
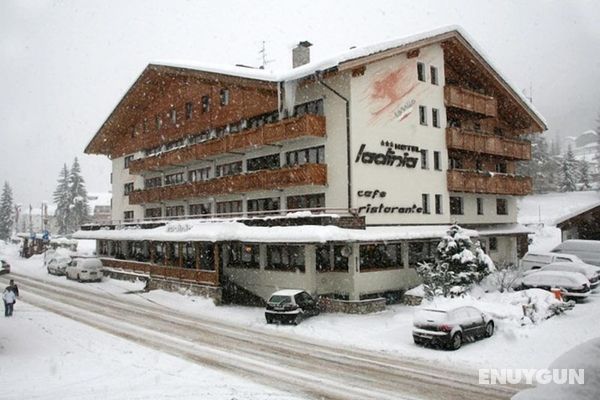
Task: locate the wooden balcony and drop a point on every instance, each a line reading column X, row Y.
column 273, row 133
column 302, row 175
column 184, row 274
column 477, row 182
column 467, row 100
column 459, row 139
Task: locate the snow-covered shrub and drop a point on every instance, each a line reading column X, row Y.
column 503, row 278
column 459, row 264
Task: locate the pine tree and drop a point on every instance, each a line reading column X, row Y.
column 62, row 199
column 6, row 212
column 568, row 172
column 584, row 175
column 79, row 200
column 459, row 264
column 542, row 168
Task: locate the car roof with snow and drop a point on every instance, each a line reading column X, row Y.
column 287, row 292
column 556, row 277
column 550, row 254
column 575, row 267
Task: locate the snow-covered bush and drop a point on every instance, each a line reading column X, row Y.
column 503, row 278
column 459, row 264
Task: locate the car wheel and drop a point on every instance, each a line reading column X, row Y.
column 456, row 341
column 269, row 320
column 298, row 319
column 489, row 329
column 78, row 278
column 49, row 271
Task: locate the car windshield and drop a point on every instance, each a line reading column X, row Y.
column 278, row 299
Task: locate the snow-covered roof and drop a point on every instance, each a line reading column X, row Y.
column 503, row 229
column 202, row 230
column 552, row 208
column 338, row 59
column 577, row 212
column 99, row 199
column 287, row 292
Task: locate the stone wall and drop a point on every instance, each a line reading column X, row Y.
column 330, row 305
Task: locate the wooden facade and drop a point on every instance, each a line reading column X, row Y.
column 468, row 100
column 302, row 175
column 268, row 134
column 478, row 182
column 462, row 139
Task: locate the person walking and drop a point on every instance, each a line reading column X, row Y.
column 10, row 299
column 13, row 286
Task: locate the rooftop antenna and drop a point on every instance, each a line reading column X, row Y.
column 263, row 56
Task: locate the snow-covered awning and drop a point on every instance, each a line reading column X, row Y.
column 503, row 230
column 206, row 231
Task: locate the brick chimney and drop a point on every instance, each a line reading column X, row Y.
column 301, row 54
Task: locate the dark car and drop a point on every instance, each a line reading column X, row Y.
column 449, row 328
column 290, row 306
column 4, row 267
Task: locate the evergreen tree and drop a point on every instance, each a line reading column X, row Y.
column 542, row 168
column 62, row 199
column 78, row 195
column 568, row 172
column 458, row 265
column 584, row 175
column 6, row 212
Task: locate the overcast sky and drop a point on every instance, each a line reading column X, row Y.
column 64, row 65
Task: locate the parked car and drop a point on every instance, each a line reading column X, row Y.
column 536, row 260
column 573, row 285
column 449, row 328
column 84, row 269
column 291, row 306
column 4, row 267
column 57, row 264
column 587, row 250
column 591, row 272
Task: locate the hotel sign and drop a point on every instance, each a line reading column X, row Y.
column 390, row 158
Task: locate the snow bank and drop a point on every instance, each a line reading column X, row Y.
column 585, row 356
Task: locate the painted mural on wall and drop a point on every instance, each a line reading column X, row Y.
column 391, row 94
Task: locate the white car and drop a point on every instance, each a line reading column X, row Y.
column 85, row 269
column 56, row 261
column 587, row 250
column 572, row 285
column 591, row 272
column 536, row 260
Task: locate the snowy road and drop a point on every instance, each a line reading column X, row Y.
column 271, row 358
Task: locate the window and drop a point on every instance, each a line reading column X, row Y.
column 425, row 203
column 424, row 157
column 434, row 75
column 128, row 216
column 313, row 107
column 438, row 204
column 173, row 115
column 501, row 167
column 189, row 109
column 421, row 252
column 501, row 207
column 127, row 188
column 150, row 183
column 285, row 257
column 421, row 71
column 380, row 256
column 206, row 256
column 137, row 251
column 479, row 206
column 423, row 115
column 242, row 255
column 158, row 122
column 189, row 255
column 103, row 247
column 478, row 165
column 233, row 168
column 330, row 257
column 314, row 155
column 268, row 204
column 456, row 205
column 224, row 97
column 200, row 174
column 271, row 161
column 309, row 201
column 127, row 160
column 229, row 207
column 455, row 163
column 493, row 244
column 205, row 104
column 200, row 209
column 435, row 117
column 437, row 164
column 153, row 212
column 174, row 179
column 174, row 211
column 145, row 125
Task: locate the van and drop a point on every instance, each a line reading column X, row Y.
column 587, row 250
column 536, row 260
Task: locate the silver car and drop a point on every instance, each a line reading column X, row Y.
column 85, row 269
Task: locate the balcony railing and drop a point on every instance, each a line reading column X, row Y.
column 184, row 274
column 273, row 133
column 459, row 139
column 302, row 175
column 468, row 100
column 492, row 183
